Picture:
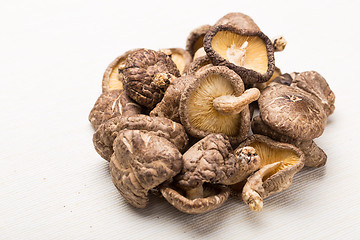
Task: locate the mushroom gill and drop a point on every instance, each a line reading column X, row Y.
column 203, row 115
column 246, row 51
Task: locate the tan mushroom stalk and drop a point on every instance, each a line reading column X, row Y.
column 105, row 135
column 229, row 104
column 142, row 161
column 197, row 112
column 210, row 160
column 287, row 160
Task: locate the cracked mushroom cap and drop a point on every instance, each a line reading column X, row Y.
column 105, row 135
column 314, row 155
column 249, row 53
column 142, row 161
column 111, row 104
column 238, row 20
column 312, row 82
column 180, row 57
column 292, row 112
column 195, row 40
column 198, row 113
column 113, row 77
column 279, row 163
column 147, row 74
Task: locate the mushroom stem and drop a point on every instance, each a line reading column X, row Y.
column 279, row 44
column 237, row 55
column 229, row 105
column 194, row 193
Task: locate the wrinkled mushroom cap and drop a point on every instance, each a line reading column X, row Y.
column 197, row 112
column 107, row 132
column 111, row 104
column 312, row 82
column 292, row 112
column 238, row 20
column 180, row 57
column 209, row 160
column 147, row 74
column 257, row 64
column 113, row 77
column 215, row 196
column 196, row 38
column 142, row 161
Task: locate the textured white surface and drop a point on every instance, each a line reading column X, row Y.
column 53, row 185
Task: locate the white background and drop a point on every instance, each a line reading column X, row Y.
column 53, row 185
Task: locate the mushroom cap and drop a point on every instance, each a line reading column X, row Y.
column 142, row 161
column 312, row 82
column 209, row 160
column 199, row 64
column 199, row 205
column 197, row 112
column 196, row 38
column 314, row 155
column 147, row 74
column 292, row 112
column 111, row 104
column 238, row 20
column 112, row 79
column 259, row 62
column 107, row 132
column 180, row 57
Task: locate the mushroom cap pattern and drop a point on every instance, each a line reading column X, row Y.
column 238, row 20
column 142, row 161
column 292, row 112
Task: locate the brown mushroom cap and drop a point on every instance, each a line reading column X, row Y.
column 142, row 161
column 111, row 104
column 197, row 112
column 312, row 82
column 238, row 20
column 113, row 77
column 196, row 38
column 314, row 156
column 214, row 197
column 292, row 112
column 199, row 64
column 289, row 159
column 249, row 53
column 147, row 74
column 180, row 57
column 107, row 132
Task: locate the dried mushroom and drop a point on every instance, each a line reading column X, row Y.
column 169, row 105
column 292, row 112
column 315, row 84
column 142, row 161
column 196, row 38
column 197, row 112
column 279, row 44
column 107, row 132
column 238, row 20
column 284, row 159
column 314, row 156
column 198, row 65
column 211, row 160
column 249, row 53
column 113, row 76
column 180, row 57
column 276, row 74
column 111, row 104
column 147, row 74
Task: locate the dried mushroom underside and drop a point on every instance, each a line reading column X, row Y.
column 314, row 155
column 249, row 53
column 111, row 104
column 105, row 135
column 211, row 160
column 292, row 112
column 113, row 77
column 195, row 39
column 201, row 117
column 180, row 57
column 279, row 163
column 147, row 74
column 142, row 161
